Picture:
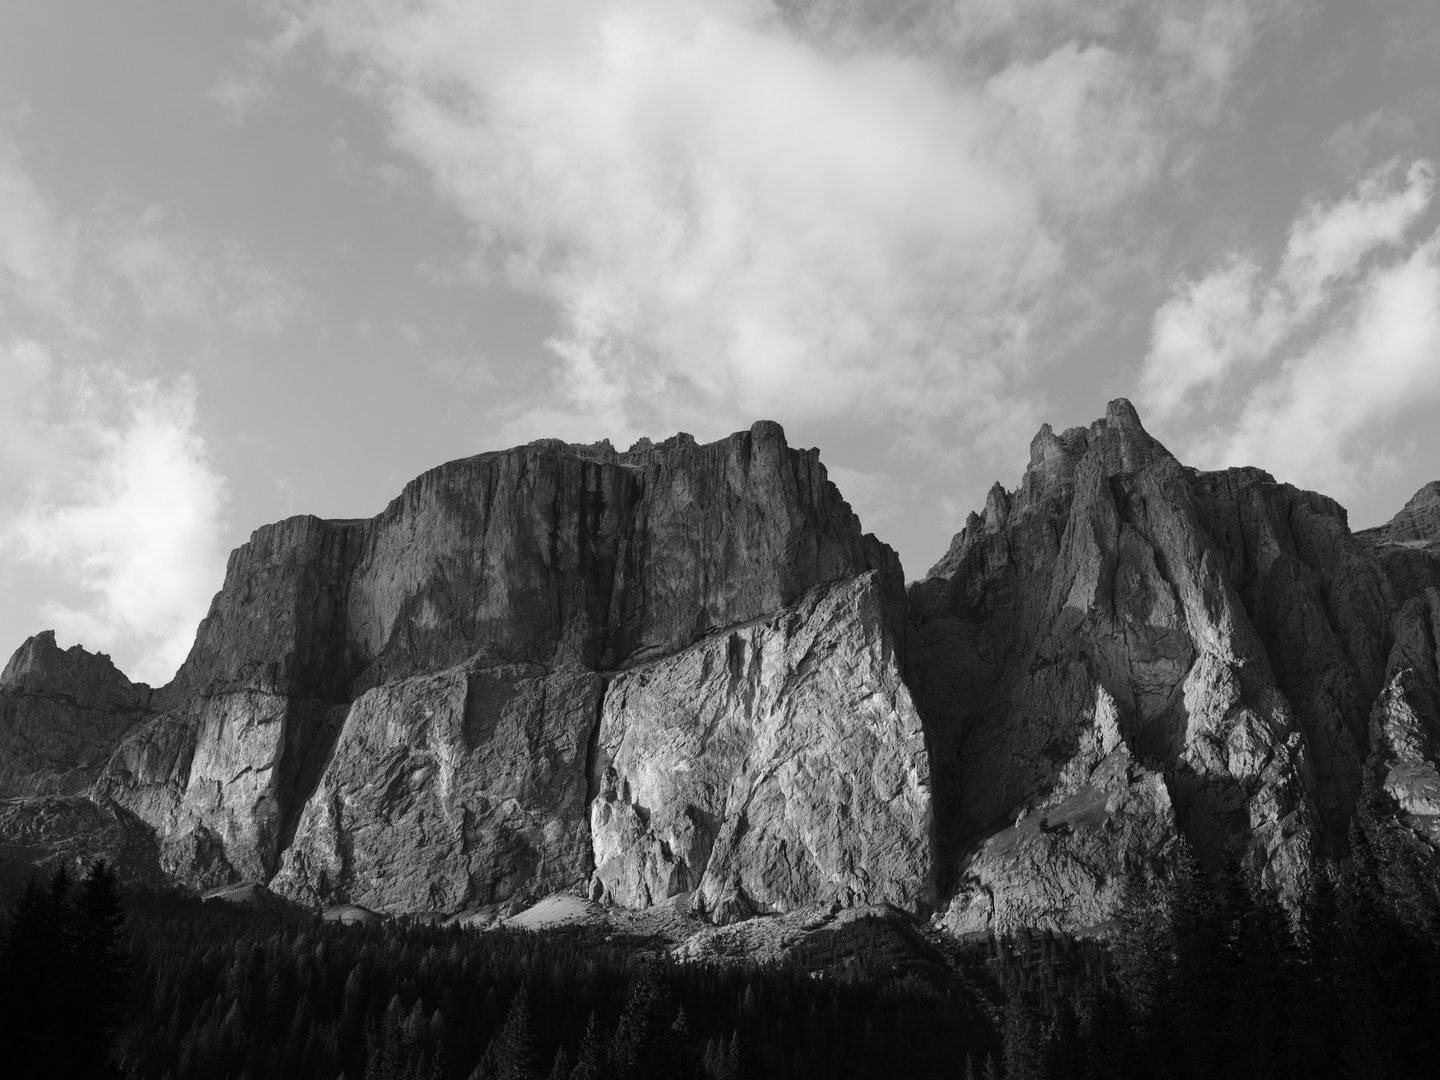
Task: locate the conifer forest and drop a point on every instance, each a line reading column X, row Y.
column 1205, row 975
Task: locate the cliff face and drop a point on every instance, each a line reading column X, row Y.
column 61, row 714
column 401, row 711
column 774, row 764
column 682, row 669
column 1131, row 651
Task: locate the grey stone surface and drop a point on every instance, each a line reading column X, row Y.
column 774, row 764
column 61, row 714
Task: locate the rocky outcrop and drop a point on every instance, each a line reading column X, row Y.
column 61, row 714
column 450, row 790
column 1405, row 721
column 1417, row 525
column 42, row 833
column 1235, row 624
column 680, row 676
column 398, row 712
column 777, row 763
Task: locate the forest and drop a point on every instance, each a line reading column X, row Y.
column 1204, row 975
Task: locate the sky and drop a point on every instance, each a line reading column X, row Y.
column 280, row 257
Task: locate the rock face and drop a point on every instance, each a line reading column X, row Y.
column 400, row 712
column 681, row 674
column 1405, row 722
column 450, row 790
column 773, row 764
column 1218, row 636
column 61, row 714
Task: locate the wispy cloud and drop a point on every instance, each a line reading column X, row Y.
column 819, row 210
column 106, row 483
column 1299, row 367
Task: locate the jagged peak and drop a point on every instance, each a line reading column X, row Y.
column 1416, row 525
column 1123, row 439
column 1428, row 495
column 40, row 662
column 1118, row 438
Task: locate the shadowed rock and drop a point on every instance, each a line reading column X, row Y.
column 1233, row 628
column 61, row 714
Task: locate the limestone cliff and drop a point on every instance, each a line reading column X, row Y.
column 1123, row 651
column 775, row 764
column 682, row 671
column 400, row 711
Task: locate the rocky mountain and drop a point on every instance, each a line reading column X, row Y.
column 684, row 671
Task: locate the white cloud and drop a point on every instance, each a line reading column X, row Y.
column 1301, row 369
column 106, row 487
column 130, row 517
column 738, row 218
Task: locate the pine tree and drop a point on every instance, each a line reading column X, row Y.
column 102, row 969
column 645, row 1045
column 515, row 1045
column 37, row 973
column 590, row 1058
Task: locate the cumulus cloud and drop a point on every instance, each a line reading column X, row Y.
column 107, row 490
column 1300, row 366
column 127, row 514
column 742, row 210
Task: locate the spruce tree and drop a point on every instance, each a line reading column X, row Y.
column 590, row 1058
column 101, row 971
column 514, row 1047
column 38, row 975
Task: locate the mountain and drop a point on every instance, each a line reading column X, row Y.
column 684, row 670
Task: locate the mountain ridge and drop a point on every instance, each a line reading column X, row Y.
column 684, row 669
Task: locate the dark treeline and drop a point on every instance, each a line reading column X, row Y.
column 1210, row 977
column 220, row 992
column 63, row 978
column 1206, row 976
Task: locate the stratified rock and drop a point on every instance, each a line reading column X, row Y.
column 448, row 790
column 61, row 714
column 775, row 764
column 1415, row 526
column 1098, row 587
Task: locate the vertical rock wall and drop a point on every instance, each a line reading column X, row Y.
column 684, row 669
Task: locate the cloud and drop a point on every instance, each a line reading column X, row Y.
column 37, row 250
column 741, row 211
column 171, row 278
column 129, row 517
column 107, row 491
column 1302, row 367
